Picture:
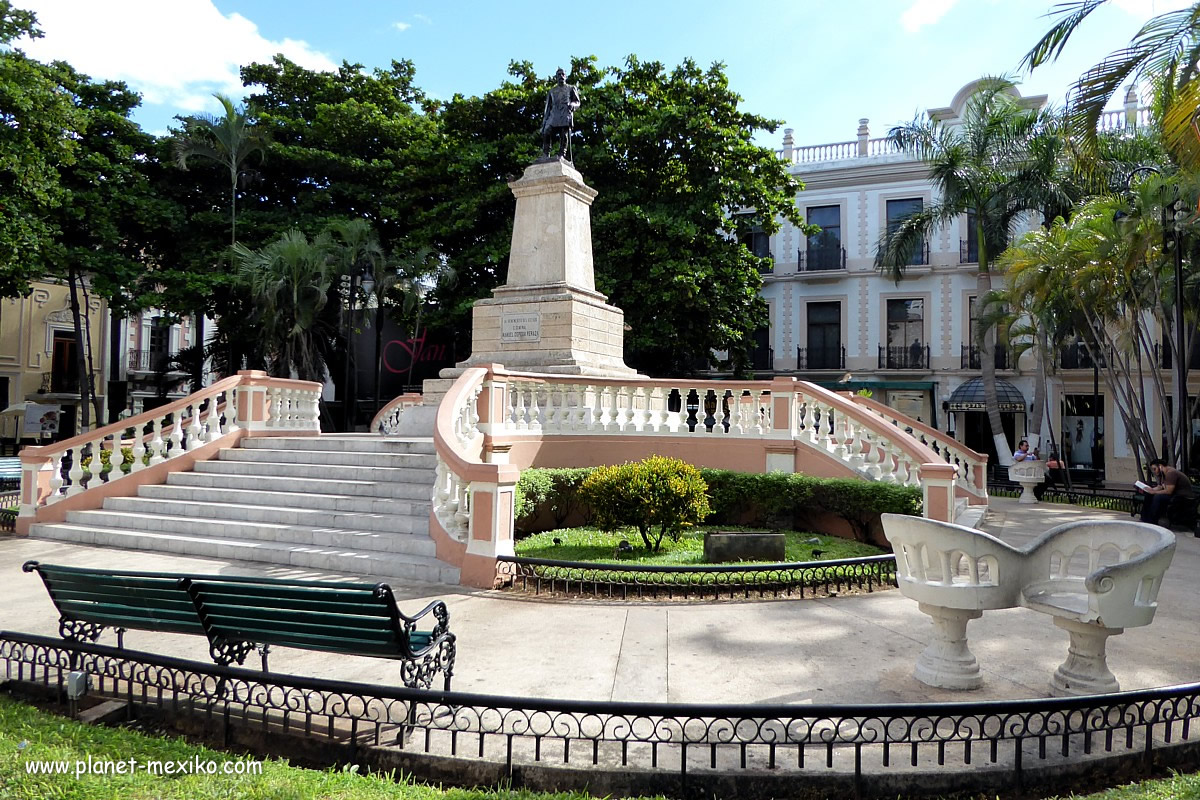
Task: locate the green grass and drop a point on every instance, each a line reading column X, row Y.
column 27, row 733
column 590, row 544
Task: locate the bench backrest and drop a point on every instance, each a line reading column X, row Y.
column 137, row 600
column 347, row 618
column 1118, row 564
column 952, row 566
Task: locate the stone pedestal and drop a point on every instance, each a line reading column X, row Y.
column 1029, row 474
column 548, row 317
column 947, row 662
column 1086, row 669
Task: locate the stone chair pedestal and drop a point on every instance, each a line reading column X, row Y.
column 947, row 662
column 1086, row 669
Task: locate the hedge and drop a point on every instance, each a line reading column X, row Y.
column 772, row 500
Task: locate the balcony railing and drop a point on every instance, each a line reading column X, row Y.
column 968, row 253
column 1167, row 360
column 914, row 356
column 821, row 358
column 150, row 360
column 763, row 359
column 972, row 356
column 820, row 259
column 1078, row 356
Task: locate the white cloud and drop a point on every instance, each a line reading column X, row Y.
column 401, row 26
column 925, row 12
column 1150, row 8
column 175, row 53
column 423, row 18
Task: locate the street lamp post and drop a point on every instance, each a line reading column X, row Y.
column 1181, row 360
column 1172, row 239
column 348, row 377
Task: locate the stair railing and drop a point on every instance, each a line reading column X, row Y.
column 172, row 437
column 971, row 466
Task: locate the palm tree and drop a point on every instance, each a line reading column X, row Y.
column 989, row 166
column 289, row 281
column 418, row 275
column 1164, row 52
column 228, row 140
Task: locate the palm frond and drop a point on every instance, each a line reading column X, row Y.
column 1051, row 45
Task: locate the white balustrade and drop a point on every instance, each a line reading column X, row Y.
column 205, row 417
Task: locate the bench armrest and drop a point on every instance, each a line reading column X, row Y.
column 439, row 611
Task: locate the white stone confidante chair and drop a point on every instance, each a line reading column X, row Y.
column 1094, row 578
column 954, row 573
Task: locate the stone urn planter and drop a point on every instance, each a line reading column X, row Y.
column 1029, row 474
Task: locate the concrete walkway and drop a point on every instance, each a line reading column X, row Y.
column 832, row 650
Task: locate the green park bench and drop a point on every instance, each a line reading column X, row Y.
column 239, row 614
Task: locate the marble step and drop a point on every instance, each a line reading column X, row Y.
column 270, row 532
column 350, row 443
column 316, row 557
column 308, row 500
column 386, row 521
column 276, row 469
column 210, row 477
column 335, row 458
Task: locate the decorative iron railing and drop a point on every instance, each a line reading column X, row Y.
column 150, row 360
column 968, row 252
column 638, row 581
column 821, row 259
column 622, row 748
column 913, row 356
column 972, row 356
column 821, row 357
column 1078, row 355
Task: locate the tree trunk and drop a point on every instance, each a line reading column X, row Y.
column 80, row 364
column 1039, row 391
column 987, row 365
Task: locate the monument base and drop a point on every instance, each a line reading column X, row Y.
column 552, row 328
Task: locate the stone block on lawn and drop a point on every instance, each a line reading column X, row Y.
column 722, row 546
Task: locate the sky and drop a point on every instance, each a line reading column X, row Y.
column 816, row 66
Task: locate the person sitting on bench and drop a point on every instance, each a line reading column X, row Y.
column 1172, row 487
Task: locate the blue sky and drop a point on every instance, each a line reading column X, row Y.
column 817, row 65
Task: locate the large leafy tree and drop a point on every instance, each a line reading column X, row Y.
column 672, row 156
column 110, row 231
column 35, row 144
column 987, row 165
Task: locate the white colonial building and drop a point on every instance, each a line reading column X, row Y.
column 836, row 320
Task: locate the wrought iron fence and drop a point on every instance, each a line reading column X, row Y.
column 546, row 576
column 150, row 360
column 868, row 750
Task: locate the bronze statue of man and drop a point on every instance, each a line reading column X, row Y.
column 561, row 102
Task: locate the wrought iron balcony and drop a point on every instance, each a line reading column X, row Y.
column 821, row 358
column 150, row 361
column 1166, row 359
column 914, row 356
column 972, row 356
column 821, row 259
column 1078, row 356
column 763, row 359
column 968, row 253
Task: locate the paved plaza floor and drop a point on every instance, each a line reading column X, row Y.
column 826, row 650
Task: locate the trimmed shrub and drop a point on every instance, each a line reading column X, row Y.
column 553, row 492
column 774, row 500
column 659, row 496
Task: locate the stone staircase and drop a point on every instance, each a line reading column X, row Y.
column 336, row 503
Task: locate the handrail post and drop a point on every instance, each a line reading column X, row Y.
column 864, row 136
column 35, row 484
column 937, row 491
column 252, row 412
